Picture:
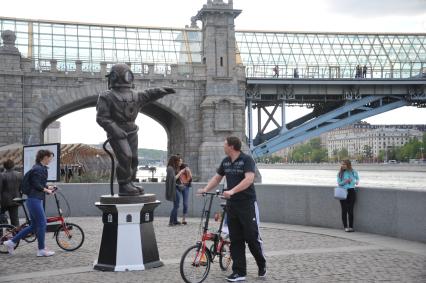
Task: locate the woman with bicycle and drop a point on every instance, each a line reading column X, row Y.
column 38, row 188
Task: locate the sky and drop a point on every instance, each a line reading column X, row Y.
column 405, row 16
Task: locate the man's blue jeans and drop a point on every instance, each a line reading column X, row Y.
column 37, row 222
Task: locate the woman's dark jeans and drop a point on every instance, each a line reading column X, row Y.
column 37, row 222
column 185, row 195
column 174, row 212
column 348, row 209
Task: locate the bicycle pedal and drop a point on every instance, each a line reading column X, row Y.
column 65, row 244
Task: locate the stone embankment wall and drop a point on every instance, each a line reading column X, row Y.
column 389, row 212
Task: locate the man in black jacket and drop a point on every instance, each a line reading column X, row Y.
column 9, row 189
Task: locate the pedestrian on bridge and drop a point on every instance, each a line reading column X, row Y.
column 276, row 70
column 358, row 71
column 348, row 178
column 364, row 71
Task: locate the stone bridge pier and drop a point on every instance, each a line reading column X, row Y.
column 209, row 103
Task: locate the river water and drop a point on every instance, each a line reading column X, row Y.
column 379, row 179
column 327, row 177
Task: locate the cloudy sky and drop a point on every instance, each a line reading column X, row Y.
column 405, row 16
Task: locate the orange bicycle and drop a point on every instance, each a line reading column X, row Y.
column 196, row 260
column 68, row 236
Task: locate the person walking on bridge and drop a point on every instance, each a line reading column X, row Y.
column 276, row 70
column 242, row 211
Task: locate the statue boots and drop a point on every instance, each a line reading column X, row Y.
column 140, row 189
column 127, row 190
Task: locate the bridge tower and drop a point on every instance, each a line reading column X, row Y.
column 12, row 95
column 223, row 106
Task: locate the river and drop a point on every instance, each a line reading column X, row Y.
column 379, row 176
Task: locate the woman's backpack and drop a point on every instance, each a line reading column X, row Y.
column 25, row 185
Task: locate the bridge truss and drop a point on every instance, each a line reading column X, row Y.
column 334, row 104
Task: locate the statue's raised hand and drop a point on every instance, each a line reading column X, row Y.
column 168, row 90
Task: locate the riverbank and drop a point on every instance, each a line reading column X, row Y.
column 334, row 166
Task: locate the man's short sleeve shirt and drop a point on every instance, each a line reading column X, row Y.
column 235, row 173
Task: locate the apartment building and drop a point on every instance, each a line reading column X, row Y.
column 378, row 137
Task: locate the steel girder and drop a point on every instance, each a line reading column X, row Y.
column 347, row 114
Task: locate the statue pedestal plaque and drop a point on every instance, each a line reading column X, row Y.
column 128, row 238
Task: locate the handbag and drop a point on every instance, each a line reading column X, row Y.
column 340, row 193
column 180, row 187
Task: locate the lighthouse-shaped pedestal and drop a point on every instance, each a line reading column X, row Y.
column 128, row 237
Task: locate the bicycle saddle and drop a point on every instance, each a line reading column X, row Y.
column 19, row 200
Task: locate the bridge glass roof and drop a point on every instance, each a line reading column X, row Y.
column 312, row 55
column 93, row 44
column 327, row 55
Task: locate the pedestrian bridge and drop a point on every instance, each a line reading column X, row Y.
column 49, row 69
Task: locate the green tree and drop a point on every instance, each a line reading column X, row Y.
column 319, row 155
column 343, row 154
column 367, row 152
column 335, row 155
column 381, row 156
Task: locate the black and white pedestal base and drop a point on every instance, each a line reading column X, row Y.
column 128, row 238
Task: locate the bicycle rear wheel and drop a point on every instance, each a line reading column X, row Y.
column 225, row 260
column 69, row 237
column 195, row 264
column 7, row 232
column 30, row 237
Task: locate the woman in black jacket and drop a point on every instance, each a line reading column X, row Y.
column 37, row 191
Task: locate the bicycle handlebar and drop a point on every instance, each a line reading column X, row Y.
column 217, row 193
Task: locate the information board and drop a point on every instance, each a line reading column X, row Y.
column 29, row 157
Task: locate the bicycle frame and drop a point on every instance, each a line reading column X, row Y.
column 69, row 236
column 215, row 237
column 196, row 260
column 60, row 218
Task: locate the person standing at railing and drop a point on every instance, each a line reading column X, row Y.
column 348, row 178
column 173, row 190
column 242, row 210
column 358, row 71
column 38, row 188
column 364, row 71
column 296, row 73
column 184, row 182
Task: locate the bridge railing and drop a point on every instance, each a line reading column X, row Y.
column 79, row 66
column 407, row 71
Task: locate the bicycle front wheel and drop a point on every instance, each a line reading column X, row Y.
column 7, row 232
column 225, row 260
column 69, row 237
column 195, row 264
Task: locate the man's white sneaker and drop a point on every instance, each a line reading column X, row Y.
column 45, row 253
column 10, row 246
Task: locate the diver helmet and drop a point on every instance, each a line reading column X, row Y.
column 120, row 76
